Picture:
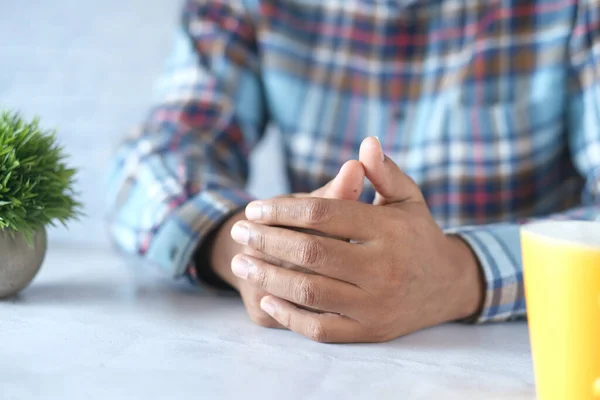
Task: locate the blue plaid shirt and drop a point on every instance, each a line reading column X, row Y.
column 492, row 107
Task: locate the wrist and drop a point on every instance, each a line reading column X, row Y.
column 469, row 288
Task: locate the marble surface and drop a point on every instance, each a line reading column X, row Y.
column 97, row 326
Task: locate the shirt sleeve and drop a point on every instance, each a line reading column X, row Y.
column 184, row 171
column 498, row 246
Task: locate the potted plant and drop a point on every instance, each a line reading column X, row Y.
column 36, row 189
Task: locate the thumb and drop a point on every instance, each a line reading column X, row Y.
column 347, row 185
column 392, row 185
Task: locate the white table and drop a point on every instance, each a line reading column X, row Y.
column 96, row 326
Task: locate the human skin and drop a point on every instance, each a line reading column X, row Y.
column 348, row 184
column 394, row 273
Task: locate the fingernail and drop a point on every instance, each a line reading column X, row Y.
column 381, row 148
column 240, row 233
column 254, row 211
column 240, row 267
column 267, row 306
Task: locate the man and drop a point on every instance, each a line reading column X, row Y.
column 492, row 108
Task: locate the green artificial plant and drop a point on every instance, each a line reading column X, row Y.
column 36, row 186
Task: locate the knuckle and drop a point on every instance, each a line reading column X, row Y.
column 393, row 277
column 311, row 252
column 274, row 212
column 316, row 331
column 258, row 240
column 307, row 293
column 262, row 277
column 317, row 211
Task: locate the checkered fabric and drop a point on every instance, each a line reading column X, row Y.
column 492, row 107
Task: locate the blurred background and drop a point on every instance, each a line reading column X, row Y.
column 88, row 69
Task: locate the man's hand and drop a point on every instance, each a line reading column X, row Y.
column 348, row 184
column 399, row 273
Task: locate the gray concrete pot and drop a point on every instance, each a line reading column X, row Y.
column 19, row 262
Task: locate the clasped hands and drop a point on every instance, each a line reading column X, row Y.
column 347, row 271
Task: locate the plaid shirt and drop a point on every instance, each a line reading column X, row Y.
column 492, row 107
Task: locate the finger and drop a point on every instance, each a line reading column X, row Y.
column 274, row 261
column 320, row 192
column 392, row 185
column 308, row 290
column 348, row 183
column 338, row 218
column 251, row 297
column 325, row 256
column 268, row 258
column 324, row 328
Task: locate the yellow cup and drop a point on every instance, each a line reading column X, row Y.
column 561, row 262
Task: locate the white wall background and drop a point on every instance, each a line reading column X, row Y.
column 88, row 68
